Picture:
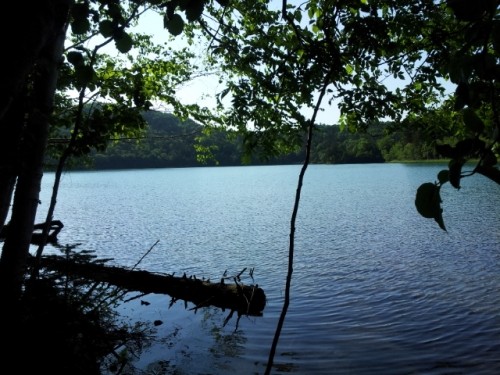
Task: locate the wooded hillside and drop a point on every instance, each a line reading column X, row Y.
column 169, row 142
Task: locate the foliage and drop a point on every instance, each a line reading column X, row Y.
column 276, row 66
column 473, row 66
column 114, row 91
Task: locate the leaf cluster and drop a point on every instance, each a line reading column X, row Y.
column 474, row 67
column 277, row 60
column 100, row 96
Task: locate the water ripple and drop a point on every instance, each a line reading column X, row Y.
column 376, row 289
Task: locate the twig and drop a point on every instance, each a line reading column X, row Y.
column 147, row 252
column 135, row 297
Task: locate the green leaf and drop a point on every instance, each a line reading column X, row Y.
column 124, row 42
column 174, row 25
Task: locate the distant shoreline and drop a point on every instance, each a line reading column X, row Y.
column 94, row 169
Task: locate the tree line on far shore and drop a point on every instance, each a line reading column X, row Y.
column 169, row 142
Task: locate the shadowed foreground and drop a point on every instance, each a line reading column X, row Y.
column 65, row 322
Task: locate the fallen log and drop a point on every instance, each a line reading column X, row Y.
column 244, row 299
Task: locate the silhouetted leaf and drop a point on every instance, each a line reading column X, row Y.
column 446, row 151
column 106, row 28
column 455, row 168
column 495, row 35
column 428, row 203
column 84, row 75
column 472, row 121
column 75, row 58
column 461, row 96
column 489, row 159
column 484, row 65
column 194, row 9
column 427, row 200
column 491, row 172
column 170, row 11
column 440, row 221
column 80, row 26
column 443, row 176
column 124, row 42
column 80, row 23
column 470, row 147
column 174, row 25
column 466, row 10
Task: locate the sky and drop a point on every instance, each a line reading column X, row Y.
column 202, row 90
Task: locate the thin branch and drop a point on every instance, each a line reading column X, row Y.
column 147, row 252
column 292, row 226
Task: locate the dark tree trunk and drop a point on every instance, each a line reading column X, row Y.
column 24, row 29
column 11, row 126
column 23, row 38
column 35, row 136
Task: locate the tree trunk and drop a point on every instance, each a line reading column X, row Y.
column 26, row 198
column 11, row 126
column 24, row 27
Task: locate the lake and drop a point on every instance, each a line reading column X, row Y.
column 376, row 288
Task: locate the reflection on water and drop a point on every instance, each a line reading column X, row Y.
column 376, row 288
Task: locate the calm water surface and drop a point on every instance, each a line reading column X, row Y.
column 376, row 288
